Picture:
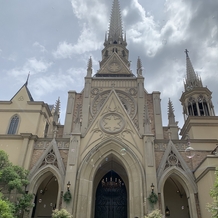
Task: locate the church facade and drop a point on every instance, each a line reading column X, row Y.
column 113, row 157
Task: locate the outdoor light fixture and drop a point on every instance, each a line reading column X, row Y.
column 167, row 211
column 152, row 188
column 68, row 186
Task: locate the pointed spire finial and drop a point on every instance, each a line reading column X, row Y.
column 89, row 67
column 115, row 30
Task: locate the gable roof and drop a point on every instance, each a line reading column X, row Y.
column 26, row 90
column 114, row 67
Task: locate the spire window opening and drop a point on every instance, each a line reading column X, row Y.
column 13, row 125
column 192, row 109
column 205, row 106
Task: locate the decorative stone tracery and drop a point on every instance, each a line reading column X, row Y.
column 173, row 160
column 112, row 123
column 126, row 99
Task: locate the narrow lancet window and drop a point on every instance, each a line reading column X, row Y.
column 13, row 125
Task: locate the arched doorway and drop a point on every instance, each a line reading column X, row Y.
column 111, row 197
column 175, row 199
column 46, row 197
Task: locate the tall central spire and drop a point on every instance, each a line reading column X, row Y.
column 116, row 31
column 115, row 45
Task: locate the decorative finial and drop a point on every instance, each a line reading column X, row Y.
column 27, row 79
column 89, row 67
column 139, row 67
column 56, row 111
column 90, row 63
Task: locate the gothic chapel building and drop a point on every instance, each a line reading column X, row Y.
column 116, row 159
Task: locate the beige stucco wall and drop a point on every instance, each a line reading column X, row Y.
column 12, row 147
column 205, row 177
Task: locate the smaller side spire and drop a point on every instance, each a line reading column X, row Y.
column 172, row 124
column 56, row 111
column 192, row 79
column 89, row 67
column 139, row 67
column 171, row 116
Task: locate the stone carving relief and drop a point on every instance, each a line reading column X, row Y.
column 132, row 91
column 112, row 123
column 77, row 115
column 162, row 146
column 126, row 99
column 21, row 98
column 95, row 91
column 42, row 145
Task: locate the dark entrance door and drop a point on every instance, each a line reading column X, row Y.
column 111, row 197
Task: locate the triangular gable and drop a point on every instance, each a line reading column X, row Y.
column 51, row 156
column 172, row 158
column 114, row 65
column 112, row 120
column 23, row 94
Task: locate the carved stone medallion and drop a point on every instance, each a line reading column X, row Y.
column 112, row 123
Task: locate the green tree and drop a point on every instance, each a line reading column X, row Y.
column 213, row 208
column 15, row 178
column 6, row 208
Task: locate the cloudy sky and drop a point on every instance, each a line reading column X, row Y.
column 54, row 39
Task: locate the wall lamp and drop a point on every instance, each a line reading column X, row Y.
column 167, row 211
column 68, row 186
column 152, row 188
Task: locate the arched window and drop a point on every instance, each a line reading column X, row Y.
column 13, row 125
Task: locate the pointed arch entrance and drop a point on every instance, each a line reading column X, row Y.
column 96, row 164
column 46, row 197
column 178, row 193
column 175, row 198
column 46, row 185
column 111, row 197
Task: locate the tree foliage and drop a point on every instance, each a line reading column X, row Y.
column 61, row 214
column 14, row 178
column 154, row 214
column 6, row 208
column 213, row 208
